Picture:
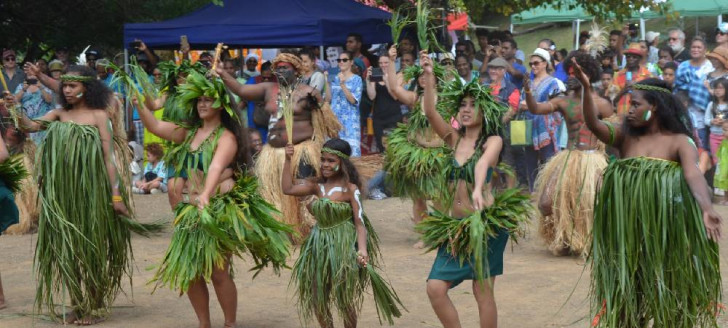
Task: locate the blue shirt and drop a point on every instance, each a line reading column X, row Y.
column 690, row 78
column 516, row 82
column 559, row 72
column 160, row 170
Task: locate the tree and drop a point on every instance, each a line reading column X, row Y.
column 35, row 27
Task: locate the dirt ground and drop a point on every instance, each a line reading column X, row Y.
column 537, row 289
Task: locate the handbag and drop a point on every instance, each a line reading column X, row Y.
column 521, row 130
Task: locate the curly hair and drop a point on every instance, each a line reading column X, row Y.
column 671, row 113
column 589, row 65
column 351, row 175
column 155, row 149
column 97, row 95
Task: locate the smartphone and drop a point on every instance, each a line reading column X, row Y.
column 629, row 76
column 183, row 42
column 32, row 81
column 135, row 44
column 377, row 75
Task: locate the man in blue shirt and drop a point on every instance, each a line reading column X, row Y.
column 515, row 72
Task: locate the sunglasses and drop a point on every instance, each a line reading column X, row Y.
column 721, row 32
column 9, row 58
column 342, row 60
column 535, row 63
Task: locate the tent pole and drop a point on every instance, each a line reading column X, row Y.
column 642, row 28
column 720, row 19
column 576, row 34
column 242, row 62
column 511, row 28
column 697, row 25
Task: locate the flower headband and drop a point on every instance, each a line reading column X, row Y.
column 335, row 152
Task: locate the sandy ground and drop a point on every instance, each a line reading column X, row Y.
column 537, row 289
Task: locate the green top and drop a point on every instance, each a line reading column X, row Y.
column 184, row 158
column 329, row 213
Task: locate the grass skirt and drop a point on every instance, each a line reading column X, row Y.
column 27, row 197
column 650, row 258
column 233, row 223
column 12, row 174
column 327, row 274
column 415, row 171
column 570, row 178
column 84, row 247
column 467, row 238
column 269, row 170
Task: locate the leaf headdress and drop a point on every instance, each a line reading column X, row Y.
column 413, row 73
column 198, row 85
column 170, row 71
column 492, row 111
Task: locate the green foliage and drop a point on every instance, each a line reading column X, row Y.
column 12, row 173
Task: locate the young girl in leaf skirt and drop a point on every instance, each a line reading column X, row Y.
column 339, row 258
column 472, row 233
column 226, row 215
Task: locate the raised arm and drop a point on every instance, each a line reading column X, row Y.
column 32, row 69
column 287, row 185
column 699, row 187
column 4, row 154
column 605, row 131
column 405, row 97
column 441, row 127
column 538, row 108
column 165, row 130
column 155, row 104
column 371, row 87
column 489, row 159
column 244, row 91
column 27, row 124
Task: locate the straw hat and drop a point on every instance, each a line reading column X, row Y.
column 635, row 49
column 720, row 54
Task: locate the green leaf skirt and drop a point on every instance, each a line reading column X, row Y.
column 651, row 258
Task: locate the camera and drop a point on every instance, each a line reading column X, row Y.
column 135, row 44
column 32, row 81
column 494, row 42
column 377, row 75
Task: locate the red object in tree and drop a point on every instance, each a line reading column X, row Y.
column 457, row 22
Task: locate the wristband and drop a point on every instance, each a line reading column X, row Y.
column 116, row 199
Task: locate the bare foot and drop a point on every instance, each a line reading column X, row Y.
column 89, row 320
column 68, row 318
column 229, row 325
column 562, row 250
column 419, row 245
column 3, row 304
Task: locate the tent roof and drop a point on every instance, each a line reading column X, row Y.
column 548, row 14
column 267, row 24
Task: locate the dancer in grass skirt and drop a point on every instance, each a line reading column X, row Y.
column 471, row 233
column 654, row 254
column 225, row 215
column 340, row 258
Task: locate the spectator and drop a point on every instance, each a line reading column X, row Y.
column 36, row 100
column 321, row 65
column 405, row 46
column 520, row 56
column 62, row 55
column 42, row 65
column 676, row 41
column 228, row 64
column 721, row 35
column 633, row 72
column 616, row 43
column 690, row 76
column 12, row 73
column 205, row 59
column 465, row 68
column 550, row 47
column 606, row 59
column 91, row 56
column 668, row 73
column 507, row 94
column 653, row 68
column 632, row 35
column 345, row 94
column 103, row 71
column 386, row 111
column 407, row 60
column 482, row 54
column 155, row 173
column 514, row 71
column 544, row 127
column 716, row 115
column 256, row 142
column 251, row 66
column 354, row 45
column 653, row 39
column 665, row 55
column 266, row 74
column 607, row 89
column 719, row 59
column 309, row 74
column 156, row 75
column 146, row 57
column 55, row 68
column 467, row 49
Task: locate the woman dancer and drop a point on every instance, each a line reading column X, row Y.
column 654, row 253
column 328, row 273
column 477, row 255
column 227, row 216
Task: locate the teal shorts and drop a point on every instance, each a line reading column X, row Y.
column 448, row 268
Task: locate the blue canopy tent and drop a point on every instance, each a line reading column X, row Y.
column 267, row 24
